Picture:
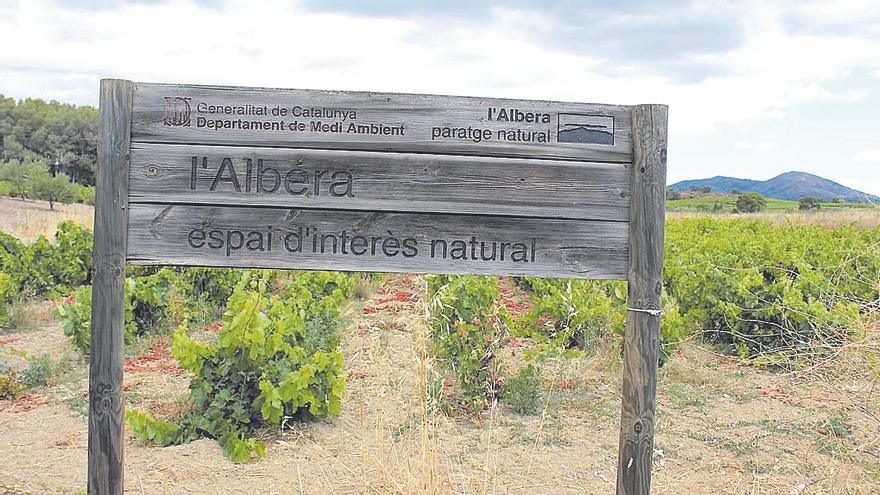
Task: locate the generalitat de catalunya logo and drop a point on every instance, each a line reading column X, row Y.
column 178, row 111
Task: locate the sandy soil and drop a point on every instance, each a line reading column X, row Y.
column 722, row 428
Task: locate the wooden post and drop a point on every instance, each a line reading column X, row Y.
column 108, row 289
column 645, row 283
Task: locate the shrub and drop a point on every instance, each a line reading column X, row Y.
column 321, row 334
column 213, row 285
column 58, row 189
column 571, row 315
column 750, row 203
column 159, row 431
column 19, row 316
column 319, row 293
column 10, row 387
column 758, row 288
column 46, row 269
column 152, row 298
column 263, row 369
column 75, row 315
column 74, row 244
column 363, row 286
column 808, row 203
column 9, row 247
column 7, row 294
column 85, row 195
column 522, row 392
column 468, row 325
column 39, row 371
column 20, row 176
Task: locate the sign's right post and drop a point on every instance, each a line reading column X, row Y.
column 645, row 284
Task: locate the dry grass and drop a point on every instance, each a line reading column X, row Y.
column 28, row 219
column 863, row 218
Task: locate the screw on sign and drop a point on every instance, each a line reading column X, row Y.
column 579, row 187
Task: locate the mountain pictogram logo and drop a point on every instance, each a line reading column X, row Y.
column 585, row 129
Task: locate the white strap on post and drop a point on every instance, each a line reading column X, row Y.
column 652, row 312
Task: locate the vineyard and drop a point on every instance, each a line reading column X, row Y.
column 320, row 382
column 726, row 203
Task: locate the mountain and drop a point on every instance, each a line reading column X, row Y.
column 790, row 185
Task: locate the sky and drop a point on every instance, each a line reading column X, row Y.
column 755, row 88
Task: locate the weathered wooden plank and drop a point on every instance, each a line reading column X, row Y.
column 105, row 469
column 375, row 241
column 187, row 114
column 365, row 180
column 645, row 277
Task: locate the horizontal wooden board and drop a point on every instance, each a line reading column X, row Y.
column 374, row 241
column 364, row 180
column 296, row 118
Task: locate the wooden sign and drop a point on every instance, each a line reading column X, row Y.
column 447, row 184
column 328, row 180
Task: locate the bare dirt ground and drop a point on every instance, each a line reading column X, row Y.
column 722, row 428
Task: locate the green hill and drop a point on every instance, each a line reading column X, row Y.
column 789, row 186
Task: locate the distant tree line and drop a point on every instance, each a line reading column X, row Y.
column 34, row 131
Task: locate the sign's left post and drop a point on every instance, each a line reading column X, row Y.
column 105, row 462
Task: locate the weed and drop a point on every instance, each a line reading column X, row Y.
column 838, row 426
column 522, row 392
column 555, row 441
column 410, row 423
column 684, row 396
column 10, row 387
column 19, row 317
column 873, row 469
column 835, row 435
column 518, row 430
column 363, row 287
column 39, row 372
column 79, row 404
column 322, row 334
column 737, row 448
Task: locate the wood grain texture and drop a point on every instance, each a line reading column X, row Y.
column 105, row 467
column 404, row 182
column 156, row 119
column 645, row 283
column 159, row 234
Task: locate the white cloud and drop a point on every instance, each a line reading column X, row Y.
column 870, row 155
column 841, row 10
column 61, row 52
column 749, row 145
column 760, row 65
